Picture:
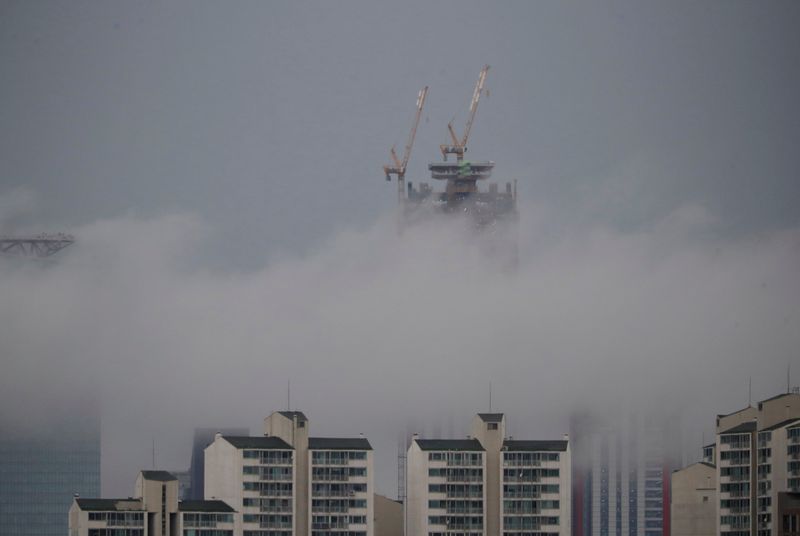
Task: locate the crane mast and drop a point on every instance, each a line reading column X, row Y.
column 459, row 146
column 399, row 167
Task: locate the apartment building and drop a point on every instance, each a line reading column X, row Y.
column 154, row 510
column 286, row 483
column 488, row 484
column 756, row 458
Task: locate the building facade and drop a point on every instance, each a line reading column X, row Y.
column 203, row 438
column 694, row 498
column 153, row 511
column 286, row 483
column 756, row 460
column 622, row 476
column 43, row 466
column 488, row 484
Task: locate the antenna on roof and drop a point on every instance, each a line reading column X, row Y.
column 154, row 453
column 788, row 378
column 289, row 394
column 490, row 397
column 749, row 391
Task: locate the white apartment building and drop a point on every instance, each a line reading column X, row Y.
column 446, row 487
column 488, row 484
column 286, row 483
column 154, row 511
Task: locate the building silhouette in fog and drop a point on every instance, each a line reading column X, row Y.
column 622, row 465
column 43, row 463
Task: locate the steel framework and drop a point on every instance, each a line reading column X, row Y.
column 38, row 246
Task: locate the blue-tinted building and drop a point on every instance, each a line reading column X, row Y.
column 43, row 467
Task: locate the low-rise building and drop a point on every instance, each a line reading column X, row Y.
column 153, row 511
column 694, row 498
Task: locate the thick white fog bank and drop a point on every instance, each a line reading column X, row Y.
column 380, row 331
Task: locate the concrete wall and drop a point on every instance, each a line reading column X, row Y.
column 416, row 491
column 725, row 422
column 565, row 487
column 295, row 432
column 223, row 473
column 694, row 498
column 388, row 516
column 152, row 494
column 492, row 442
column 778, row 409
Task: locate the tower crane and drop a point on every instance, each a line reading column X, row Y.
column 459, row 146
column 399, row 167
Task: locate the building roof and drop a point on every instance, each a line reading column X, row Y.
column 204, row 506
column 524, row 445
column 161, row 476
column 109, row 505
column 720, row 415
column 292, row 414
column 491, row 417
column 709, row 445
column 781, row 424
column 749, row 426
column 776, row 397
column 692, row 466
column 258, row 442
column 338, row 443
column 449, row 444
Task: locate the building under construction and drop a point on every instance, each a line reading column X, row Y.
column 462, row 192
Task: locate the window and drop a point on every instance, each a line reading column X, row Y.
column 491, row 426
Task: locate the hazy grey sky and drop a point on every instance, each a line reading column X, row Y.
column 220, row 164
column 272, row 119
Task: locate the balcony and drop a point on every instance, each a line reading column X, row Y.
column 275, row 493
column 464, row 478
column 328, row 526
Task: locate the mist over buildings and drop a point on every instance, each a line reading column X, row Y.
column 378, row 329
column 220, row 169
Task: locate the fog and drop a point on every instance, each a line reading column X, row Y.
column 220, row 168
column 379, row 331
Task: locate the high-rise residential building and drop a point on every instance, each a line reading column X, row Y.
column 488, row 484
column 756, row 460
column 43, row 463
column 622, row 472
column 286, row 483
column 154, row 510
column 203, row 438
